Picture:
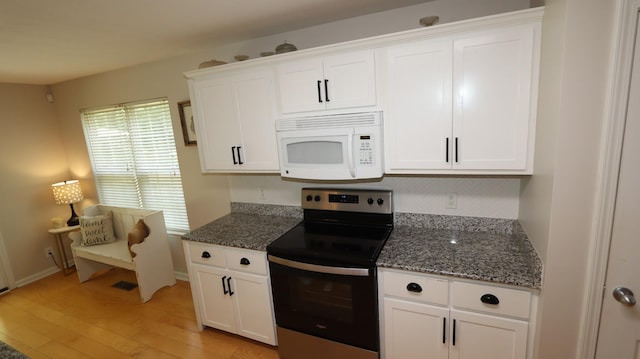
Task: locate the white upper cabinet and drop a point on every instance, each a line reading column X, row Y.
column 324, row 83
column 492, row 77
column 463, row 103
column 457, row 98
column 418, row 119
column 235, row 121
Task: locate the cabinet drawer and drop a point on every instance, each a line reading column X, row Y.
column 416, row 287
column 246, row 260
column 509, row 302
column 206, row 254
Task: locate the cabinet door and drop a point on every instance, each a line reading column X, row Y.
column 301, row 85
column 216, row 307
column 479, row 336
column 414, row 331
column 333, row 82
column 235, row 119
column 254, row 94
column 350, row 80
column 217, row 128
column 492, row 82
column 253, row 306
column 418, row 119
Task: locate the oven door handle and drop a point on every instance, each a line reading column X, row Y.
column 358, row 272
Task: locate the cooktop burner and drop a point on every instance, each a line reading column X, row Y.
column 340, row 228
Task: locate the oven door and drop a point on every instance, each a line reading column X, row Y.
column 338, row 304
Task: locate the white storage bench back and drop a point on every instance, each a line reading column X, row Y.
column 152, row 257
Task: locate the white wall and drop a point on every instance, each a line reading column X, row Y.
column 32, row 157
column 557, row 202
column 477, row 197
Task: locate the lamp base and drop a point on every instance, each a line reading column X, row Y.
column 74, row 220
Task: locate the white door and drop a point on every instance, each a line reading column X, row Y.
column 253, row 305
column 216, row 305
column 492, row 80
column 255, row 106
column 216, row 121
column 414, row 330
column 301, row 86
column 349, row 80
column 418, row 119
column 479, row 336
column 619, row 334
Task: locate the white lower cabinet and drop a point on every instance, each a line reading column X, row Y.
column 426, row 317
column 231, row 290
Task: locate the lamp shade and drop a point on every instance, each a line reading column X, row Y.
column 67, row 192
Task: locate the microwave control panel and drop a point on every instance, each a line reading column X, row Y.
column 365, row 150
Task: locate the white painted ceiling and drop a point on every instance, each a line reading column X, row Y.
column 49, row 41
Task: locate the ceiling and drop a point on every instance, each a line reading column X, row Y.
column 45, row 42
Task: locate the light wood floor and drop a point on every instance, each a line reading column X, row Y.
column 57, row 317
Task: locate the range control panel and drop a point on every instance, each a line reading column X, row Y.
column 347, row 199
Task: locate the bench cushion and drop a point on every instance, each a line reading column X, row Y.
column 97, row 229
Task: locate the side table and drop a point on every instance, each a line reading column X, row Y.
column 58, row 234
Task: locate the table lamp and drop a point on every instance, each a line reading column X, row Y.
column 68, row 192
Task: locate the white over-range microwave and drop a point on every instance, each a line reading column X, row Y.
column 331, row 147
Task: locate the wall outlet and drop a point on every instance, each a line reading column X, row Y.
column 452, row 200
column 48, row 252
column 261, row 194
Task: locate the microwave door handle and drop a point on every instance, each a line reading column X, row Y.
column 352, row 170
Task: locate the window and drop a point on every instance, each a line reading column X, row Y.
column 134, row 159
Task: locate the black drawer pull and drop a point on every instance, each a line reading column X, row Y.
column 244, row 262
column 414, row 287
column 490, row 299
column 224, row 287
column 206, row 254
column 229, row 285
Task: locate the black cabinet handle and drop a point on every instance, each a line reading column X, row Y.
column 233, row 153
column 319, row 92
column 490, row 299
column 326, row 90
column 414, row 287
column 229, row 285
column 444, row 330
column 456, row 149
column 244, row 262
column 446, row 148
column 239, row 158
column 224, row 286
column 453, row 338
column 206, row 254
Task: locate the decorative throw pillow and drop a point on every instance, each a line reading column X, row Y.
column 137, row 234
column 97, row 229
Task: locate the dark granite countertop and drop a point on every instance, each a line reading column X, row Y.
column 487, row 249
column 247, row 226
column 503, row 254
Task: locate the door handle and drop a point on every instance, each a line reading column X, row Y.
column 224, row 286
column 326, row 90
column 239, row 158
column 233, row 154
column 229, row 285
column 319, row 91
column 624, row 296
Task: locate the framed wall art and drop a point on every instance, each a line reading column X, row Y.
column 187, row 122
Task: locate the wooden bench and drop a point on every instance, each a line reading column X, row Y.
column 152, row 262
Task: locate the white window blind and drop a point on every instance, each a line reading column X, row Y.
column 134, row 159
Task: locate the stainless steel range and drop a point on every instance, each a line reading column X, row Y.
column 323, row 275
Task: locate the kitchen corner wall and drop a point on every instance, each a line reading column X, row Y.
column 208, row 196
column 476, row 197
